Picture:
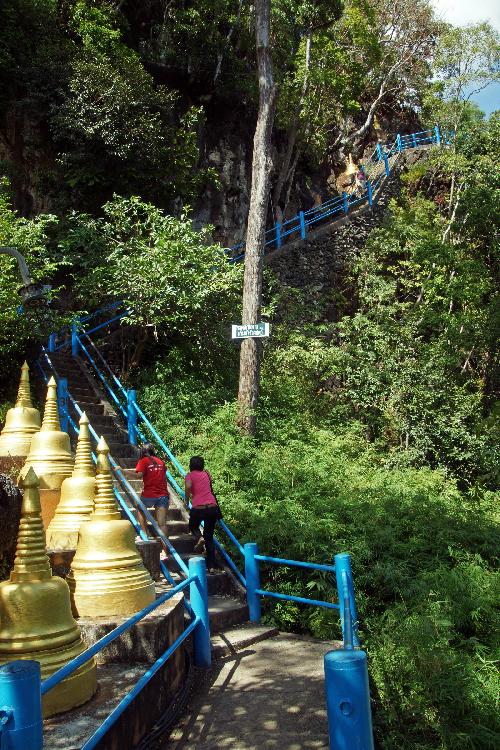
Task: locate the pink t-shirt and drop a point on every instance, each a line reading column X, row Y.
column 200, row 488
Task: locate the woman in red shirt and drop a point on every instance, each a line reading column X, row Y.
column 204, row 507
column 155, row 493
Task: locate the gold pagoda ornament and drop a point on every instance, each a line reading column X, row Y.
column 21, row 422
column 351, row 167
column 108, row 577
column 50, row 450
column 77, row 495
column 35, row 612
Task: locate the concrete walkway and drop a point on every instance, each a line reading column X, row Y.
column 269, row 696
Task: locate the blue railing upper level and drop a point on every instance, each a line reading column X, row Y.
column 377, row 167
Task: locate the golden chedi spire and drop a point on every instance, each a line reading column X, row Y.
column 21, row 422
column 50, row 450
column 77, row 495
column 105, row 507
column 35, row 612
column 108, row 577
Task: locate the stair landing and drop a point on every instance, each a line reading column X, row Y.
column 268, row 696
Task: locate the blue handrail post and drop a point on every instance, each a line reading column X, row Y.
column 132, row 416
column 62, row 403
column 345, row 202
column 51, row 346
column 343, row 565
column 75, row 343
column 252, row 577
column 279, row 240
column 379, row 152
column 386, row 164
column 414, row 140
column 303, row 227
column 348, row 700
column 370, row 192
column 198, row 598
column 437, row 135
column 399, row 143
column 21, row 706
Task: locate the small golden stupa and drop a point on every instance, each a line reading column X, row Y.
column 77, row 495
column 35, row 612
column 108, row 576
column 351, row 167
column 21, row 422
column 50, row 450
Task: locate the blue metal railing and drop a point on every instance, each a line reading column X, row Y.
column 199, row 627
column 139, row 424
column 197, row 606
column 298, row 224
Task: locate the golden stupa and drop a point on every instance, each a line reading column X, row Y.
column 351, row 167
column 77, row 495
column 107, row 575
column 21, row 422
column 50, row 450
column 35, row 612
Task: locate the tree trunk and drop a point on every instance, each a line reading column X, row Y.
column 248, row 392
column 292, row 135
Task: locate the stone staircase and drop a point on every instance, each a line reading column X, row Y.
column 227, row 606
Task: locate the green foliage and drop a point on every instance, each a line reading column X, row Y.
column 32, row 237
column 96, row 114
column 114, row 113
column 424, row 557
column 203, row 45
column 336, row 78
column 176, row 282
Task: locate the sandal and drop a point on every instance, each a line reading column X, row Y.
column 200, row 545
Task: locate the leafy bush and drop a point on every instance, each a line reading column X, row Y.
column 423, row 558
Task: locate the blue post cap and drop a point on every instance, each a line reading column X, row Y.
column 16, row 670
column 344, row 660
column 21, row 704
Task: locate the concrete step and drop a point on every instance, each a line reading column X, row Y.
column 120, row 444
column 105, row 420
column 135, row 483
column 240, row 637
column 121, row 450
column 90, row 405
column 185, row 557
column 173, row 516
column 79, row 391
column 177, row 527
column 225, row 611
column 74, row 376
column 182, row 542
column 127, row 462
column 218, row 583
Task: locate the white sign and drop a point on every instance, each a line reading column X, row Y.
column 257, row 331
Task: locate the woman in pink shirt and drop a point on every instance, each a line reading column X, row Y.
column 204, row 507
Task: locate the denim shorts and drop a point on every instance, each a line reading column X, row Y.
column 158, row 502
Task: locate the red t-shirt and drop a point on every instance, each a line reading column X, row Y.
column 154, row 476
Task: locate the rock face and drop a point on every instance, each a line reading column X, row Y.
column 10, row 513
column 225, row 206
